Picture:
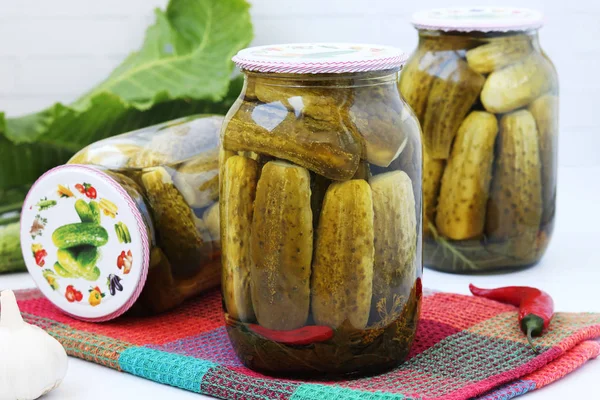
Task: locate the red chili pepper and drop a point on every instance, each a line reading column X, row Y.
column 419, row 288
column 300, row 336
column 536, row 307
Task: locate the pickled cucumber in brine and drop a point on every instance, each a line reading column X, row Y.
column 282, row 244
column 329, row 149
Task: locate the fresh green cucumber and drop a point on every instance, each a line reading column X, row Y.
column 11, row 257
column 78, row 234
column 83, row 210
column 96, row 213
column 45, row 204
column 92, row 275
column 87, row 256
column 68, row 260
column 88, row 212
column 126, row 232
column 62, row 272
column 122, row 233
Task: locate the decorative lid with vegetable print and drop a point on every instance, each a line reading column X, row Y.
column 478, row 19
column 85, row 242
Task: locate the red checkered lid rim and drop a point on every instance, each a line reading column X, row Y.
column 478, row 19
column 320, row 58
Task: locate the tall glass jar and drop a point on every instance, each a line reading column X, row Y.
column 320, row 211
column 130, row 224
column 487, row 98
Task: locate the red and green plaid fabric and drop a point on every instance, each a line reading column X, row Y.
column 465, row 347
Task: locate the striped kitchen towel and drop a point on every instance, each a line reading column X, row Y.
column 465, row 347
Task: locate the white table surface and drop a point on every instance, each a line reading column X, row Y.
column 570, row 272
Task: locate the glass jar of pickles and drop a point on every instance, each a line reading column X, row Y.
column 131, row 223
column 487, row 99
column 320, row 211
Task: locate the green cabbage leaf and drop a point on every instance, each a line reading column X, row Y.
column 183, row 67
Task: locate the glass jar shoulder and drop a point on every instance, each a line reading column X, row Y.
column 470, row 58
column 327, row 125
column 162, row 144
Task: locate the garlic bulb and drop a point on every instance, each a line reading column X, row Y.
column 32, row 363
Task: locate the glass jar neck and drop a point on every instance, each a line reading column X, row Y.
column 345, row 80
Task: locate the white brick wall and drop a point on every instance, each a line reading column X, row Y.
column 55, row 50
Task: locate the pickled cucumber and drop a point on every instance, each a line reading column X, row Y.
column 383, row 121
column 515, row 206
column 418, row 76
column 395, row 241
column 175, row 224
column 545, row 112
column 342, row 278
column 162, row 291
column 498, row 53
column 318, row 188
column 329, row 149
column 322, row 104
column 224, row 155
column 238, row 188
column 282, row 244
column 517, row 85
column 432, row 179
column 198, row 179
column 466, row 181
column 452, row 94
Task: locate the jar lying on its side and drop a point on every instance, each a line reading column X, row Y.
column 487, row 99
column 130, row 223
column 320, row 207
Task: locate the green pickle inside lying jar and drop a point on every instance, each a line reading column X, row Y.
column 486, row 96
column 320, row 204
column 130, row 224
